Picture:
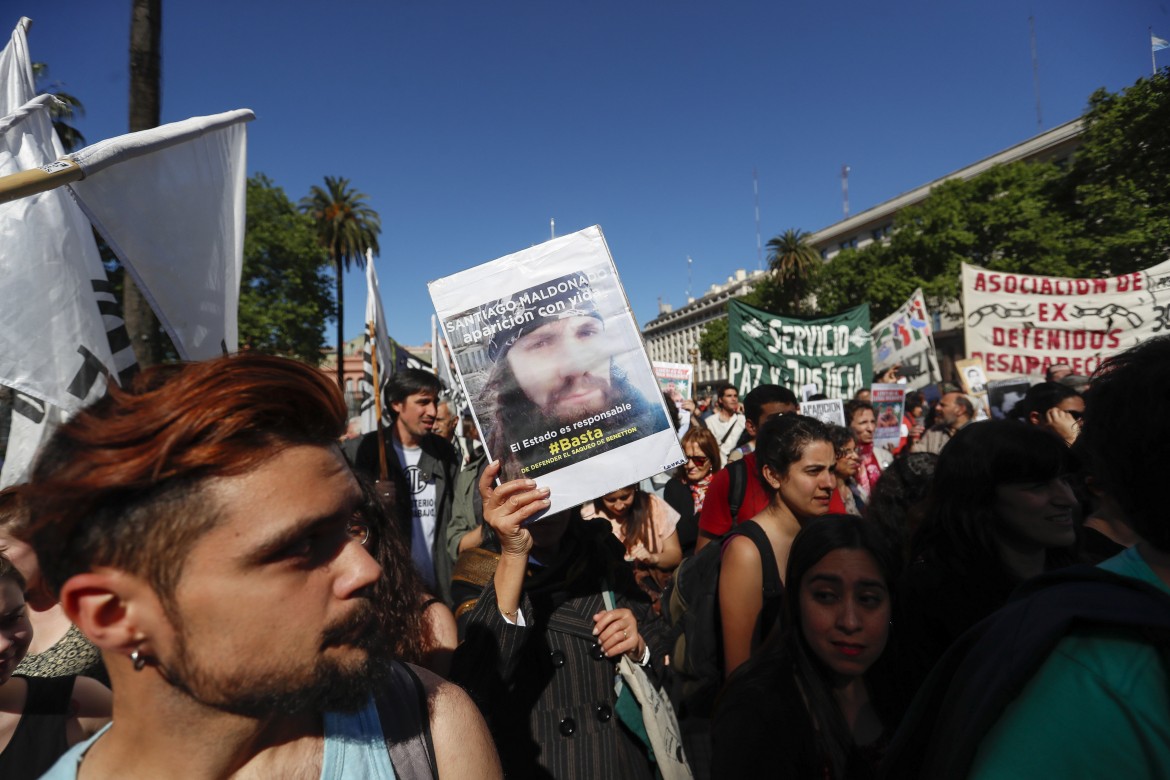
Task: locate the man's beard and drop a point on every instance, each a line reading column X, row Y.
column 553, row 410
column 332, row 684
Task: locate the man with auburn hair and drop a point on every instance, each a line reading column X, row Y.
column 421, row 466
column 730, row 501
column 201, row 529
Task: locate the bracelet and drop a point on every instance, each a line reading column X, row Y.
column 510, row 615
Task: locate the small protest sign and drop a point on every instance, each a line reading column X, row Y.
column 830, row 411
column 1004, row 394
column 551, row 359
column 675, row 379
column 974, row 381
column 888, row 407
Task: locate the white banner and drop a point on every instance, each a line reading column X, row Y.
column 170, row 202
column 380, row 341
column 17, row 85
column 1022, row 324
column 54, row 346
column 905, row 339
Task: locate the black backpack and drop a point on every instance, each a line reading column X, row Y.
column 691, row 607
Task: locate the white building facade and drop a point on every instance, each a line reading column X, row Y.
column 673, row 336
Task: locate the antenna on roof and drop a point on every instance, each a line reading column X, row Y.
column 845, row 189
column 759, row 248
column 1035, row 69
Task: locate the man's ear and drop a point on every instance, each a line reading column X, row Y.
column 1034, row 418
column 116, row 610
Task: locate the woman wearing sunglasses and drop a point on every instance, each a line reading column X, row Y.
column 687, row 489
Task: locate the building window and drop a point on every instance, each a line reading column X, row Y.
column 850, row 244
column 882, row 232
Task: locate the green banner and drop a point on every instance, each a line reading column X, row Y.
column 833, row 353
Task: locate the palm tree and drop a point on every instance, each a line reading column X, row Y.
column 790, row 257
column 61, row 113
column 346, row 227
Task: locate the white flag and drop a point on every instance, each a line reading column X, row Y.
column 1157, row 44
column 54, row 347
column 17, row 85
column 170, row 203
column 376, row 339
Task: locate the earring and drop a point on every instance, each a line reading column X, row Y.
column 138, row 659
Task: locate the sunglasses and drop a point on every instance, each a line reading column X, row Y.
column 698, row 460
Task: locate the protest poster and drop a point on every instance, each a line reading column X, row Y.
column 1004, row 394
column 551, row 359
column 905, row 339
column 889, row 402
column 973, row 380
column 808, row 391
column 675, row 379
column 830, row 411
column 832, row 353
column 1021, row 324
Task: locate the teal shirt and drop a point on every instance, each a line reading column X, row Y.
column 1098, row 707
column 355, row 749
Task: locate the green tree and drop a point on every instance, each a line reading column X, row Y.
column 285, row 297
column 346, row 228
column 62, row 113
column 1120, row 179
column 794, row 266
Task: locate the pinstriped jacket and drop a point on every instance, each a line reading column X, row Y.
column 546, row 689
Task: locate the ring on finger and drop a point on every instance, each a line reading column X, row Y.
column 625, row 634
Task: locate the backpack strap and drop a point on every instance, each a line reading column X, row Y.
column 406, row 724
column 737, row 487
column 773, row 586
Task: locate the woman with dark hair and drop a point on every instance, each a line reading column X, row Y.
column 420, row 627
column 687, row 489
column 1053, row 406
column 646, row 527
column 40, row 718
column 811, row 703
column 847, row 498
column 1000, row 512
column 540, row 647
column 795, row 458
column 898, row 503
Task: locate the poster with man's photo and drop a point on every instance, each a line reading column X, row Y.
column 551, row 358
column 888, row 403
column 674, row 379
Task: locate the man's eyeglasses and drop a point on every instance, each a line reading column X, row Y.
column 698, row 460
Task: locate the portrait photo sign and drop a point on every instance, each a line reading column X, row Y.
column 552, row 362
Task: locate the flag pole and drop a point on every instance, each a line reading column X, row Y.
column 25, row 183
column 383, row 470
column 1153, row 61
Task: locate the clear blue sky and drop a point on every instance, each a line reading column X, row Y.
column 471, row 124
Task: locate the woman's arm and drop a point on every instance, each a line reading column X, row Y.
column 666, row 559
column 444, row 636
column 741, row 597
column 90, row 708
column 505, row 509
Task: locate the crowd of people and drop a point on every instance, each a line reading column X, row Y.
column 197, row 580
